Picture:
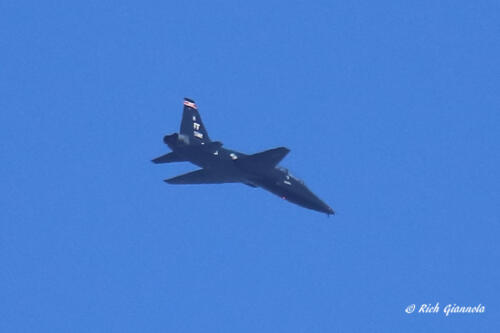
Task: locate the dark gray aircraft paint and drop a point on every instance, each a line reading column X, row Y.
column 220, row 165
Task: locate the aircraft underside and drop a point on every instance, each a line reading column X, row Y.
column 219, row 165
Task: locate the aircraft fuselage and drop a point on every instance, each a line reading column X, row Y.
column 276, row 180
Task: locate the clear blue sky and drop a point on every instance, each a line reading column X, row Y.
column 392, row 113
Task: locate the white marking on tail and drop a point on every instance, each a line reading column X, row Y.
column 190, row 104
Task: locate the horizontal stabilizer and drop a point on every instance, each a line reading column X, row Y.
column 168, row 158
column 202, row 176
column 264, row 160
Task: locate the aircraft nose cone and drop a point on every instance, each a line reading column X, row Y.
column 320, row 206
column 323, row 207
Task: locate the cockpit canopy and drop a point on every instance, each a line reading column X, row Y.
column 287, row 173
column 282, row 169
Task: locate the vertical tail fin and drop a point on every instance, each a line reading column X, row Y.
column 191, row 126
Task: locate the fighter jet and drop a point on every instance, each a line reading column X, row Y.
column 221, row 165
